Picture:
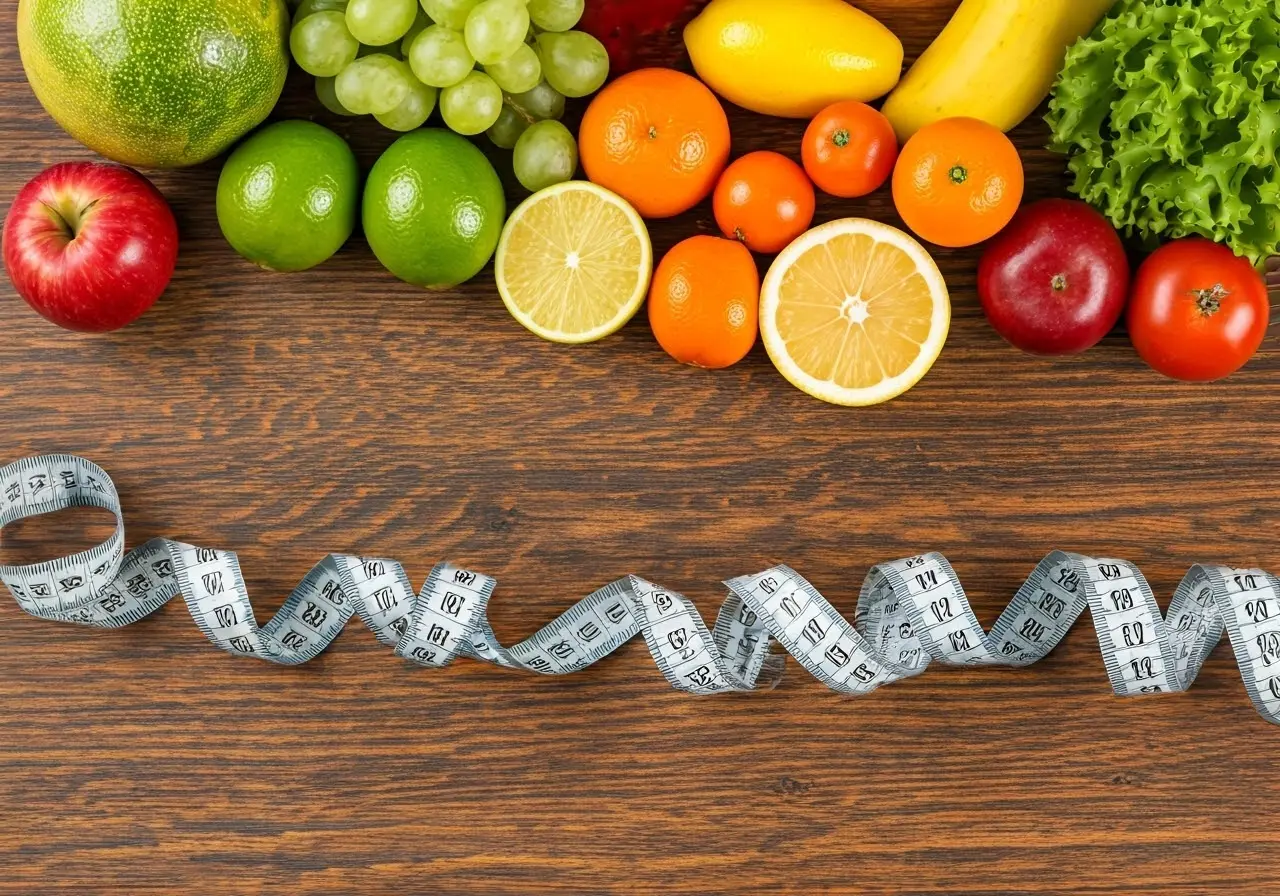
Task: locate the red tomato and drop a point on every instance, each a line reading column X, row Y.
column 1198, row 311
column 849, row 150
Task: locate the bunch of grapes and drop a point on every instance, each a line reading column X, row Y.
column 501, row 67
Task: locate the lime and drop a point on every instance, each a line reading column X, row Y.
column 155, row 83
column 574, row 263
column 288, row 195
column 433, row 208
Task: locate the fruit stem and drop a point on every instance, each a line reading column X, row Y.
column 653, row 132
column 1209, row 301
column 69, row 216
column 840, row 138
column 519, row 110
column 958, row 174
column 1058, row 283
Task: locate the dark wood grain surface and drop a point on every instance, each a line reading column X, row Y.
column 286, row 417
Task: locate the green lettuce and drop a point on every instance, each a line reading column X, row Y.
column 1170, row 111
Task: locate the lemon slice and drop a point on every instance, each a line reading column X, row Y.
column 574, row 263
column 854, row 312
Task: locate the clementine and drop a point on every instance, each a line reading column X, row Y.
column 704, row 304
column 958, row 182
column 657, row 137
column 765, row 200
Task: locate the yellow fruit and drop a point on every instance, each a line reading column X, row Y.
column 996, row 61
column 574, row 263
column 854, row 312
column 792, row 58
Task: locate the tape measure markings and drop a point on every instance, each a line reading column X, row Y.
column 910, row 612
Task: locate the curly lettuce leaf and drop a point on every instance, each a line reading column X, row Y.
column 1170, row 111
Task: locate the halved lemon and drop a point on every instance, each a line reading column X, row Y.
column 574, row 263
column 854, row 312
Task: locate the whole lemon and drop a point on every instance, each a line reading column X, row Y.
column 793, row 59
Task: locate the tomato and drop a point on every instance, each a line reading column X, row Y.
column 849, row 150
column 1198, row 312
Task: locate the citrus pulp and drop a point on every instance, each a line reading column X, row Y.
column 574, row 263
column 854, row 312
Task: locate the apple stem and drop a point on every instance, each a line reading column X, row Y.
column 69, row 217
column 1059, row 283
column 1209, row 301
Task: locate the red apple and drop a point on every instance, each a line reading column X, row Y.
column 90, row 246
column 1055, row 281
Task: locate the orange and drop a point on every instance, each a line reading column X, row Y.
column 854, row 312
column 764, row 200
column 656, row 137
column 704, row 302
column 958, row 182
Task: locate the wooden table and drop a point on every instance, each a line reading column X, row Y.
column 340, row 410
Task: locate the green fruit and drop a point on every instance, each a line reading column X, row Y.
column 288, row 196
column 433, row 208
column 155, row 83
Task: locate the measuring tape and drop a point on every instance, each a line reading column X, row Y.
column 910, row 612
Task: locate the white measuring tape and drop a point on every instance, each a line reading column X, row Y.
column 910, row 611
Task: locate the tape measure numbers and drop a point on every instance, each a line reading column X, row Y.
column 910, row 612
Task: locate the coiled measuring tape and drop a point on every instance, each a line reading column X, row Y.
column 910, row 612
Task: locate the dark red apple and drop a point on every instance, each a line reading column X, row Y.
column 90, row 246
column 1055, row 281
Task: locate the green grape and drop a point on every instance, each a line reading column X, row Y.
column 574, row 63
column 309, row 7
column 496, row 29
column 414, row 109
column 546, row 154
column 508, row 128
column 540, row 103
column 555, row 15
column 373, row 84
column 322, row 45
column 329, row 97
column 380, row 22
column 471, row 106
column 420, row 24
column 450, row 13
column 439, row 57
column 520, row 72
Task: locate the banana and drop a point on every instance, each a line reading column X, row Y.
column 996, row 60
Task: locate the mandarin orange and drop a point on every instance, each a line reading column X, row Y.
column 764, row 200
column 658, row 138
column 958, row 182
column 704, row 304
